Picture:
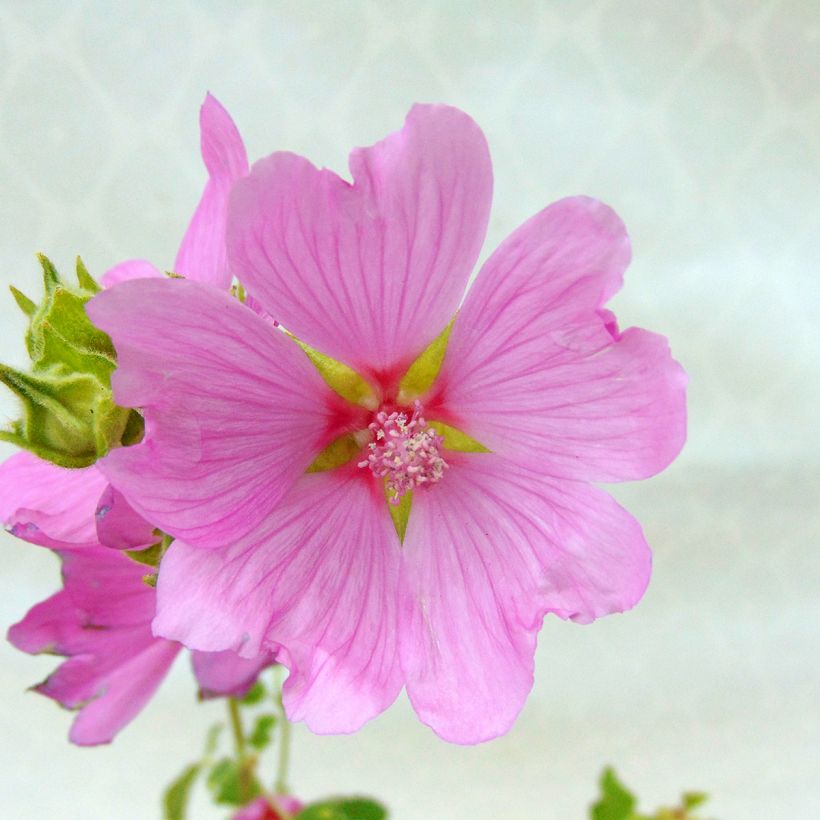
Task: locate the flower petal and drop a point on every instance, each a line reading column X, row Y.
column 534, row 369
column 226, row 673
column 119, row 525
column 49, row 505
column 489, row 551
column 317, row 582
column 234, row 411
column 123, row 694
column 130, row 269
column 367, row 273
column 202, row 255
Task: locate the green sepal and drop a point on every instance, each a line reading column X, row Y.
column 225, row 782
column 150, row 556
column 340, row 451
column 345, row 808
column 175, row 799
column 23, row 302
column 616, row 802
column 150, row 580
column 457, row 441
column 422, row 373
column 691, row 800
column 339, row 377
column 399, row 513
column 69, row 416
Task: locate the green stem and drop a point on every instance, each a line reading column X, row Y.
column 283, row 762
column 244, row 764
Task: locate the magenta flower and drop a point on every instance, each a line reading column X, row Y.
column 101, row 619
column 535, row 371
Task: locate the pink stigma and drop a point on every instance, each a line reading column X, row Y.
column 406, row 452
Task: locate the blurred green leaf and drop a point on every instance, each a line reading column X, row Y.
column 175, row 799
column 255, row 694
column 346, row 808
column 225, row 783
column 211, row 739
column 691, row 800
column 262, row 731
column 616, row 802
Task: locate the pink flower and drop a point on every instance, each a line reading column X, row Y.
column 369, row 273
column 262, row 809
column 101, row 619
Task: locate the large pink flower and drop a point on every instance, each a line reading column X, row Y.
column 101, row 619
column 536, row 371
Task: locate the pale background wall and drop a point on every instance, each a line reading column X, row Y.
column 698, row 121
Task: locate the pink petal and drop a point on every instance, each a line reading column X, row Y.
column 123, row 694
column 108, row 587
column 226, row 673
column 101, row 621
column 318, row 579
column 202, row 254
column 51, row 624
column 234, row 411
column 367, row 273
column 130, row 269
column 49, row 505
column 119, row 525
column 534, row 370
column 488, row 552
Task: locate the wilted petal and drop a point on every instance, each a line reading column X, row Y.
column 130, row 269
column 49, row 505
column 536, row 371
column 367, row 273
column 488, row 552
column 202, row 256
column 226, row 673
column 234, row 411
column 318, row 579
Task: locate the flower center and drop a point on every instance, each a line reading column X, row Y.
column 406, row 452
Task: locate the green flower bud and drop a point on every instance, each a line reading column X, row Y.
column 69, row 416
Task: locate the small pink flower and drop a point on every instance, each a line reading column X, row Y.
column 101, row 619
column 369, row 273
column 263, row 809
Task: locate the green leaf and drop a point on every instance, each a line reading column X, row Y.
column 400, row 513
column 339, row 377
column 255, row 694
column 422, row 373
column 338, row 452
column 350, row 808
column 454, row 439
column 691, row 800
column 175, row 799
column 262, row 731
column 225, row 780
column 616, row 803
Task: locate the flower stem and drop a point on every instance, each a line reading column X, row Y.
column 242, row 760
column 281, row 783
